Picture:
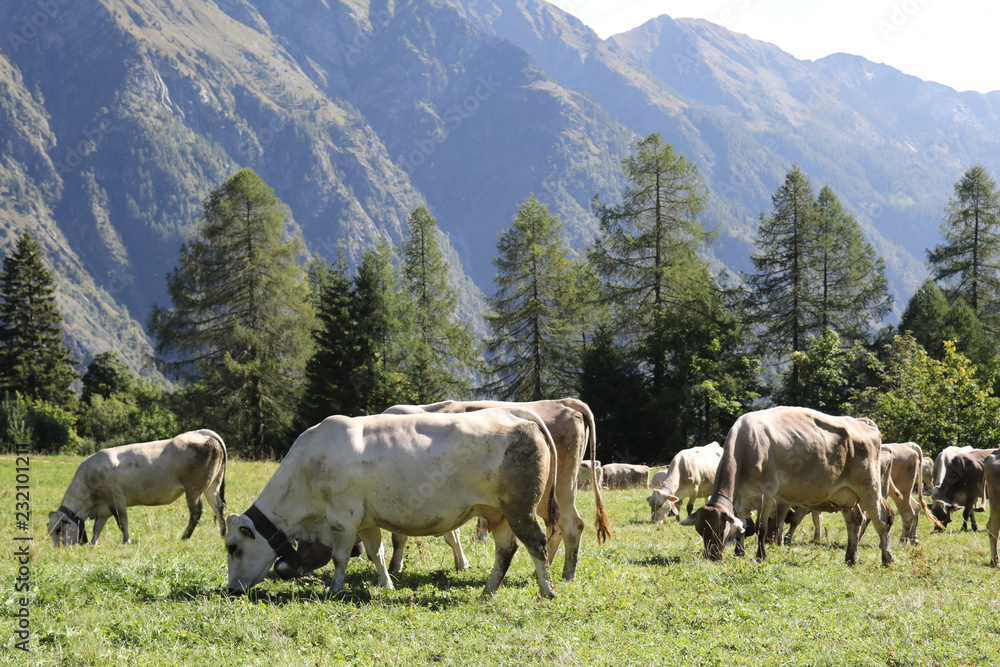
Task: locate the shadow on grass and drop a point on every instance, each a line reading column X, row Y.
column 658, row 560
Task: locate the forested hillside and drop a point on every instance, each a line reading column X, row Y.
column 119, row 116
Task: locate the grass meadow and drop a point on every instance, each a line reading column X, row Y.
column 644, row 598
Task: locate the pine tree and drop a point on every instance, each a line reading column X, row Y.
column 530, row 352
column 442, row 353
column 329, row 372
column 646, row 253
column 853, row 291
column 968, row 263
column 931, row 321
column 33, row 359
column 239, row 329
column 382, row 313
column 780, row 290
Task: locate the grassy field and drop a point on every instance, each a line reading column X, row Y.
column 645, row 597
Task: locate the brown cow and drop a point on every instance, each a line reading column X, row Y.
column 804, row 457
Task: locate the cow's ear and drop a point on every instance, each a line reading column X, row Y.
column 673, row 499
column 691, row 519
column 737, row 524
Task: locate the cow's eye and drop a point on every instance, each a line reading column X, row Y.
column 247, row 532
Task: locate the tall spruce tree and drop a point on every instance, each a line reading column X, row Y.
column 381, row 312
column 330, row 376
column 853, row 292
column 530, row 352
column 239, row 329
column 442, row 355
column 967, row 264
column 780, row 289
column 33, row 359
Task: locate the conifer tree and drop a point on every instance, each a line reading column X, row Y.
column 239, row 329
column 646, row 253
column 33, row 359
column 329, row 372
column 853, row 292
column 530, row 354
column 780, row 289
column 442, row 354
column 967, row 264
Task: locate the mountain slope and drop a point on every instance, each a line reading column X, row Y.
column 118, row 117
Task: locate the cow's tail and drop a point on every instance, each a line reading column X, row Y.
column 221, row 510
column 602, row 524
column 920, row 489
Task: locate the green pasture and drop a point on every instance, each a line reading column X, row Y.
column 644, row 598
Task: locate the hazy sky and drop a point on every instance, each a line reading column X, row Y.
column 954, row 42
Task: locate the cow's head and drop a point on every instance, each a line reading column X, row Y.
column 66, row 529
column 714, row 524
column 942, row 512
column 248, row 554
column 662, row 505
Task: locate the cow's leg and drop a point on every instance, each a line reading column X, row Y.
column 214, row 494
column 690, row 507
column 372, row 539
column 505, row 544
column 852, row 520
column 340, row 554
column 881, row 517
column 817, row 526
column 993, row 528
column 398, row 549
column 194, row 512
column 571, row 528
column 907, row 517
column 531, row 535
column 121, row 517
column 454, row 540
column 763, row 516
column 98, row 527
column 970, row 513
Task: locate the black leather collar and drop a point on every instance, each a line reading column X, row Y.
column 289, row 563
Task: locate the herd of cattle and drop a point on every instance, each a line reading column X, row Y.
column 426, row 470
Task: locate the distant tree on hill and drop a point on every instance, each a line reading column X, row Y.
column 239, row 329
column 967, row 264
column 33, row 359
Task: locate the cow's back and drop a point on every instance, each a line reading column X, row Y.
column 408, row 471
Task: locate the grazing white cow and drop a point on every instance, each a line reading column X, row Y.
column 421, row 474
column 991, row 473
column 691, row 474
column 571, row 424
column 149, row 473
column 804, row 457
column 587, row 473
column 625, row 476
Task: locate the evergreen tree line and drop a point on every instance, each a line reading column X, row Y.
column 262, row 343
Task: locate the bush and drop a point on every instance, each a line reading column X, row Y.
column 49, row 428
